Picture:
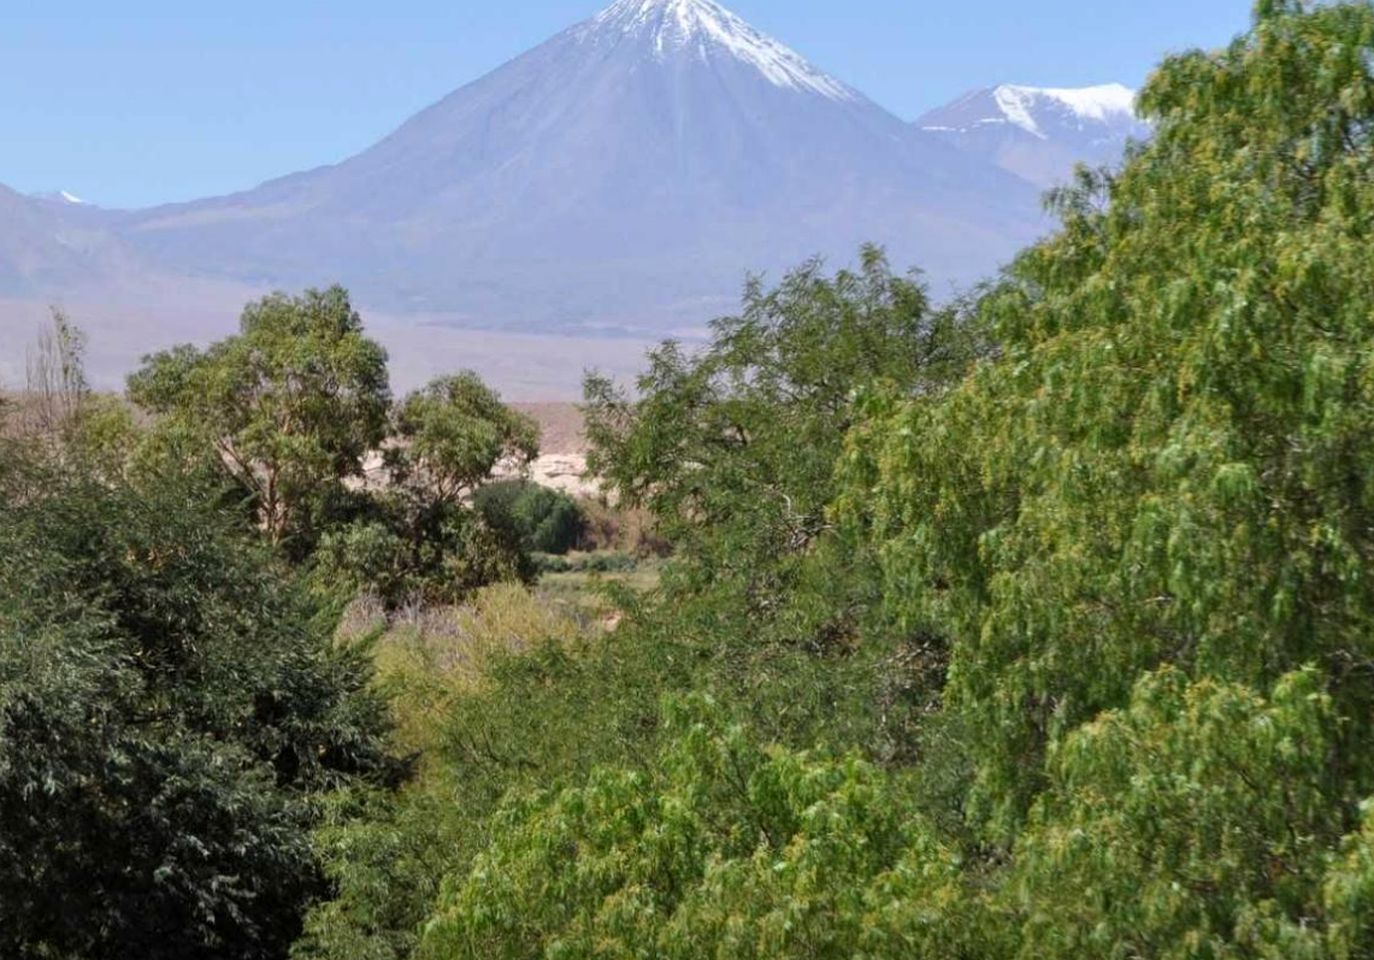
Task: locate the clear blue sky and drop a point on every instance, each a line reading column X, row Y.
column 144, row 101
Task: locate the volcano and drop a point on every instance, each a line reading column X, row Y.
column 625, row 175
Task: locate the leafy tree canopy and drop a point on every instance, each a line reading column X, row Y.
column 171, row 707
column 1167, row 461
column 289, row 406
column 735, row 446
column 725, row 850
column 451, row 435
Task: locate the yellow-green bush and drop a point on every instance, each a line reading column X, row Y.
column 428, row 656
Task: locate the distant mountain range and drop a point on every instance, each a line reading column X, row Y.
column 48, row 247
column 621, row 178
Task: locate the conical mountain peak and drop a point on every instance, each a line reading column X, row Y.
column 705, row 29
column 622, row 175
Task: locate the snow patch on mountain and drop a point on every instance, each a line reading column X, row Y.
column 705, row 25
column 1100, row 104
column 61, row 196
column 1031, row 108
column 1040, row 133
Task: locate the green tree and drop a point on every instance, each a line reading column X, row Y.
column 450, row 436
column 416, row 536
column 1166, row 461
column 726, row 850
column 172, row 708
column 1198, row 821
column 733, row 448
column 290, row 406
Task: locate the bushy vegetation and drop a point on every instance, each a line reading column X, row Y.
column 294, row 414
column 177, row 715
column 719, row 849
column 1033, row 626
column 172, row 709
column 544, row 520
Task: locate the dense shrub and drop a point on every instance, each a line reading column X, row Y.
column 1200, row 820
column 386, row 853
column 543, row 520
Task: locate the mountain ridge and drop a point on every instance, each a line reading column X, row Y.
column 621, row 179
column 1039, row 133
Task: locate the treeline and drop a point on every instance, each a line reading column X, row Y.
column 1037, row 625
column 176, row 704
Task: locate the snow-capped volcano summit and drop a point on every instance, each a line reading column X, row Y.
column 627, row 173
column 1039, row 133
column 708, row 29
column 624, row 176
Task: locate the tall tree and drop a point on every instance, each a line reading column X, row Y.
column 1167, row 462
column 733, row 448
column 291, row 405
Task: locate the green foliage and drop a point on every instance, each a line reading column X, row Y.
column 291, row 409
column 619, row 528
column 450, row 436
column 171, row 707
column 733, row 452
column 771, row 622
column 446, row 672
column 545, row 520
column 1348, row 895
column 288, row 408
column 406, row 553
column 414, row 538
column 724, row 850
column 733, row 449
column 1195, row 822
column 1167, row 460
column 104, row 438
column 385, row 854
